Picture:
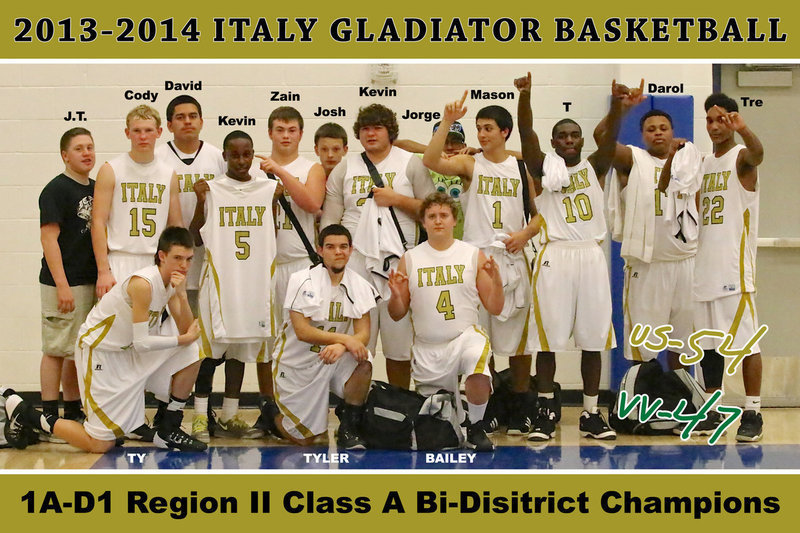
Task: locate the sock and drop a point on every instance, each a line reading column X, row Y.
column 548, row 395
column 200, row 406
column 7, row 391
column 229, row 408
column 752, row 403
column 176, row 404
column 50, row 407
column 72, row 409
column 476, row 412
column 590, row 404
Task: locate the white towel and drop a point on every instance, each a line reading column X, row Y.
column 555, row 174
column 377, row 239
column 512, row 269
column 685, row 178
column 309, row 288
column 639, row 214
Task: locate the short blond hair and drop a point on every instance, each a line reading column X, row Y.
column 143, row 112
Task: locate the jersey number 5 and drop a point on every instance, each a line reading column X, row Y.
column 243, row 247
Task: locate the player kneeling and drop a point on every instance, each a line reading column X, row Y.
column 120, row 353
column 321, row 347
column 442, row 282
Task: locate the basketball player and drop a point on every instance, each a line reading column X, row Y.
column 405, row 183
column 442, row 282
column 571, row 291
column 321, row 348
column 658, row 265
column 193, row 159
column 304, row 190
column 69, row 273
column 136, row 197
column 330, row 145
column 724, row 276
column 234, row 219
column 121, row 353
column 494, row 221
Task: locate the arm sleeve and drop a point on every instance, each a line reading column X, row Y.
column 420, row 178
column 333, row 208
column 50, row 210
column 144, row 342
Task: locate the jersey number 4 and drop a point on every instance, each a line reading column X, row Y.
column 445, row 306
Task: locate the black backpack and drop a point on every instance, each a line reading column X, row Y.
column 500, row 402
column 672, row 387
column 399, row 419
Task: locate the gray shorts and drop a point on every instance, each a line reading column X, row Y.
column 59, row 330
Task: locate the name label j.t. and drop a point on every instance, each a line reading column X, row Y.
column 76, row 116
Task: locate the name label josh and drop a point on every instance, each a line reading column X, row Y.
column 251, row 215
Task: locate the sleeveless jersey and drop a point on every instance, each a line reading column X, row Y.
column 290, row 247
column 139, row 205
column 239, row 236
column 207, row 163
column 575, row 213
column 665, row 246
column 109, row 325
column 292, row 352
column 726, row 256
column 444, row 294
column 494, row 201
column 357, row 184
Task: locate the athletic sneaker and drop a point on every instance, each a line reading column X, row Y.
column 707, row 426
column 477, row 438
column 593, row 425
column 200, row 428
column 544, row 427
column 177, row 439
column 519, row 424
column 16, row 431
column 143, row 433
column 751, row 427
column 349, row 439
column 490, row 425
column 52, row 439
column 237, row 428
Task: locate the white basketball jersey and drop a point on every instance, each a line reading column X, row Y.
column 290, row 246
column 139, row 205
column 494, row 201
column 444, row 294
column 294, row 353
column 726, row 255
column 206, row 164
column 665, row 246
column 109, row 325
column 357, row 184
column 239, row 236
column 575, row 213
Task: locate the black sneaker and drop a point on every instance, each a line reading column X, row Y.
column 593, row 425
column 751, row 427
column 519, row 424
column 349, row 439
column 707, row 426
column 177, row 439
column 489, row 425
column 16, row 431
column 544, row 427
column 143, row 433
column 477, row 438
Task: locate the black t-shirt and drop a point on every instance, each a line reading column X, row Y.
column 67, row 203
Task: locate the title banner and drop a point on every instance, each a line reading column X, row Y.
column 412, row 29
